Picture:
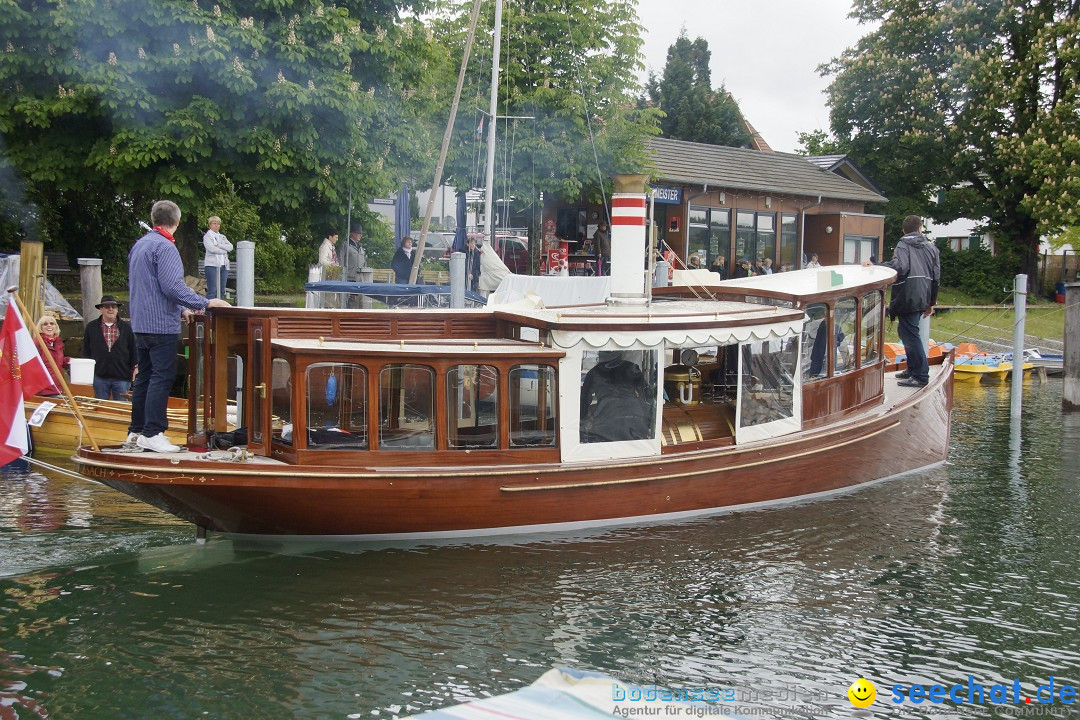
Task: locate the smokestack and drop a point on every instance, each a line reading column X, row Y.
column 628, row 241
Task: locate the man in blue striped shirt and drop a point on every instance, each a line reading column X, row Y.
column 159, row 301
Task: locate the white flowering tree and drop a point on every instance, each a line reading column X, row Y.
column 976, row 99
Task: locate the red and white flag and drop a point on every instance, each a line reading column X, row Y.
column 22, row 374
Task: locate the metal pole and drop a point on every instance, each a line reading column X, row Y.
column 457, row 280
column 493, row 108
column 1019, row 310
column 245, row 273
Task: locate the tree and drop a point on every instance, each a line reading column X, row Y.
column 291, row 105
column 693, row 110
column 974, row 102
column 570, row 69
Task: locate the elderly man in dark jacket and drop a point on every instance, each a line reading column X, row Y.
column 918, row 275
column 110, row 342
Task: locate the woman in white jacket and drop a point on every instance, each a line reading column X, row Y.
column 216, row 264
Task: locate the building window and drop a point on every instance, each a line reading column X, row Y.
column 472, row 407
column 534, row 395
column 337, row 406
column 755, row 235
column 407, row 408
column 789, row 241
column 709, row 233
column 860, row 247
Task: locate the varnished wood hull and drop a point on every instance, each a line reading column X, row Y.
column 107, row 420
column 275, row 499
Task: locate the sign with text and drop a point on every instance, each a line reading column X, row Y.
column 667, row 195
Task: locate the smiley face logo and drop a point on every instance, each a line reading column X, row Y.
column 862, row 693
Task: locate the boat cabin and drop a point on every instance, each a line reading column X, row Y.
column 742, row 362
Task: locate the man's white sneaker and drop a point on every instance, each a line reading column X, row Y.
column 159, row 444
column 132, row 439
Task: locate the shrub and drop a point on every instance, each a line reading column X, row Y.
column 975, row 271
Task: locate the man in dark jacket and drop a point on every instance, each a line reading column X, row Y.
column 110, row 343
column 918, row 275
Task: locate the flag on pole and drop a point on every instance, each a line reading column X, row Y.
column 22, row 374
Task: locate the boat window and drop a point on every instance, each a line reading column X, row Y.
column 814, row 366
column 618, row 395
column 235, row 374
column 281, row 400
column 336, row 406
column 768, row 381
column 198, row 373
column 258, row 386
column 844, row 321
column 871, row 327
column 407, row 408
column 533, row 396
column 472, row 406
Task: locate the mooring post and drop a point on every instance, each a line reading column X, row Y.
column 1019, row 315
column 90, row 283
column 1070, row 396
column 245, row 274
column 457, row 280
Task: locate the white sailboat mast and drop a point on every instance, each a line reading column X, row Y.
column 493, row 107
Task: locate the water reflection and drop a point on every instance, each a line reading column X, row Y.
column 964, row 569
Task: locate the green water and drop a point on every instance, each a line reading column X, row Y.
column 108, row 610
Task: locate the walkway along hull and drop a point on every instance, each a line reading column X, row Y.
column 458, row 501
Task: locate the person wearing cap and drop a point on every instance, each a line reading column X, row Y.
column 110, row 343
column 354, row 255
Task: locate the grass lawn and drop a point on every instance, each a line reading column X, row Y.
column 1044, row 321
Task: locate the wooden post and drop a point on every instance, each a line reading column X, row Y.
column 31, row 279
column 90, row 282
column 1070, row 396
column 56, row 371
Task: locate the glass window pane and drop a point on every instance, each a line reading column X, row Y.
column 472, row 406
column 698, row 234
column 281, row 399
column 618, row 395
column 871, row 327
column 407, row 408
column 258, row 389
column 719, row 233
column 198, row 361
column 813, row 343
column 745, row 236
column 844, row 323
column 768, row 388
column 851, row 249
column 533, row 398
column 789, row 239
column 337, row 407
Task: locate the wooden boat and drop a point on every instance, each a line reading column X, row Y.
column 516, row 418
column 108, row 421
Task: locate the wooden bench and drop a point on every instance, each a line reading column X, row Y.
column 436, row 277
column 56, row 263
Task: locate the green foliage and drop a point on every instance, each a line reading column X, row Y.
column 819, row 142
column 976, row 271
column 293, row 104
column 552, row 55
column 976, row 100
column 693, row 111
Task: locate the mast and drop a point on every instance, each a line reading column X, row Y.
column 493, row 108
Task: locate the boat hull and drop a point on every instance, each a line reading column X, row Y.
column 276, row 499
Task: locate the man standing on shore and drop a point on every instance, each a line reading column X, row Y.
column 159, row 299
column 914, row 294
